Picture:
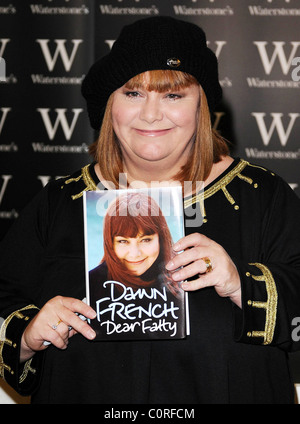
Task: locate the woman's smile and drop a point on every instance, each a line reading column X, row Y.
column 135, row 262
column 137, row 253
column 153, row 133
column 168, row 119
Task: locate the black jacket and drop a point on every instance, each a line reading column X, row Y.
column 232, row 355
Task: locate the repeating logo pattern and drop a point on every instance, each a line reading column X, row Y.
column 42, row 113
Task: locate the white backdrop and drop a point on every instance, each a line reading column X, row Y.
column 48, row 44
column 9, row 396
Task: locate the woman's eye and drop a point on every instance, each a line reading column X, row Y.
column 146, row 240
column 132, row 94
column 173, row 96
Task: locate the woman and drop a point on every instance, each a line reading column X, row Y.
column 242, row 265
column 136, row 239
column 132, row 274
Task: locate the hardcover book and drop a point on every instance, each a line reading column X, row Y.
column 128, row 241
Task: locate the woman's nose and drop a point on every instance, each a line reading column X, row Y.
column 151, row 110
column 134, row 251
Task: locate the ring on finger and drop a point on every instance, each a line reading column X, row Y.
column 56, row 325
column 208, row 264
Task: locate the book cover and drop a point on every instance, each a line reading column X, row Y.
column 128, row 241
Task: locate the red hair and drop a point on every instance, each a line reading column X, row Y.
column 128, row 216
column 208, row 146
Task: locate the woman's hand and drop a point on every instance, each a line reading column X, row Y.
column 223, row 276
column 53, row 323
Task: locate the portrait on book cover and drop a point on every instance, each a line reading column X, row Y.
column 129, row 242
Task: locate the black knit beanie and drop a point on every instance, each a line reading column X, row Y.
column 151, row 44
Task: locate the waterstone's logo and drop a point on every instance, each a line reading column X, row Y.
column 218, row 46
column 4, row 179
column 63, row 123
column 8, row 146
column 57, row 52
column 6, row 214
column 277, row 57
column 272, row 127
column 3, row 44
column 201, row 9
column 284, row 52
column 60, row 51
column 275, row 126
column 61, row 120
column 9, row 9
column 275, row 8
column 136, row 8
column 65, row 8
column 3, row 116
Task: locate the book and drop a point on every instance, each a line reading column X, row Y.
column 128, row 241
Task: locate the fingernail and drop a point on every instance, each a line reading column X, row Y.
column 91, row 334
column 176, row 246
column 170, row 265
column 177, row 276
column 185, row 285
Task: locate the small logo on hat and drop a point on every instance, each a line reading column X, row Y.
column 173, row 62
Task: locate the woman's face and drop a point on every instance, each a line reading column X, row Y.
column 138, row 253
column 156, row 127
